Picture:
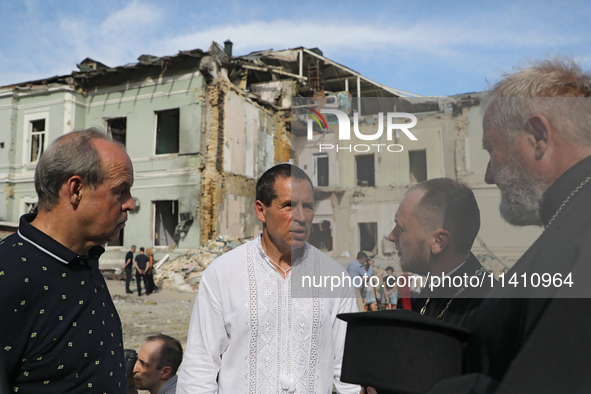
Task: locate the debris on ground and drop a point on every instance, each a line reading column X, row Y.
column 183, row 273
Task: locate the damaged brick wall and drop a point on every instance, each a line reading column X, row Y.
column 217, row 185
column 212, row 179
column 281, row 139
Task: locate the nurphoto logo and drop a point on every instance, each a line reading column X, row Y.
column 345, row 124
column 379, row 130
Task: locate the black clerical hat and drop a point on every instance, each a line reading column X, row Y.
column 399, row 351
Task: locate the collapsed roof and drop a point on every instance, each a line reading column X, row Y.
column 311, row 72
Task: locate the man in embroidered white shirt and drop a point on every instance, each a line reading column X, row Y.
column 251, row 331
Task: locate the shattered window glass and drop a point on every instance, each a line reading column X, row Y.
column 37, row 139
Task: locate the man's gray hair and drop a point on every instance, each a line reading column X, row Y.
column 71, row 154
column 556, row 87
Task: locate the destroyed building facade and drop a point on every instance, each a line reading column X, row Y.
column 201, row 127
column 359, row 182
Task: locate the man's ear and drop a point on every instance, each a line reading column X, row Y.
column 73, row 190
column 442, row 238
column 260, row 210
column 166, row 372
column 540, row 132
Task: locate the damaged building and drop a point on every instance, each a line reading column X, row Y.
column 197, row 142
column 360, row 180
column 202, row 126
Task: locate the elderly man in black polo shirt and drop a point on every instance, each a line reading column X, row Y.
column 60, row 332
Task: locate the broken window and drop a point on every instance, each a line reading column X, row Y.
column 321, row 236
column 37, row 146
column 117, row 241
column 321, row 169
column 31, row 207
column 166, row 218
column 167, row 131
column 418, row 165
column 117, row 129
column 368, row 237
column 365, row 170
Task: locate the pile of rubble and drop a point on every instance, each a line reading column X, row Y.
column 183, row 273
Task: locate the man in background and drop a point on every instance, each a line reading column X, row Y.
column 127, row 267
column 356, row 269
column 142, row 263
column 390, row 289
column 436, row 224
column 158, row 361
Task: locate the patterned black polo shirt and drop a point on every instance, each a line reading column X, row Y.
column 59, row 329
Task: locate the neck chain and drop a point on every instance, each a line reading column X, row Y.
column 424, row 308
column 566, row 201
column 282, row 270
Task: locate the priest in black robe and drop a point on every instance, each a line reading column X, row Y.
column 532, row 334
column 436, row 224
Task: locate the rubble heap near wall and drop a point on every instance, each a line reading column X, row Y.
column 184, row 272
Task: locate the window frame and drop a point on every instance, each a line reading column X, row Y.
column 156, row 120
column 28, row 119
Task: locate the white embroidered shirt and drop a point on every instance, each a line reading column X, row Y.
column 247, row 327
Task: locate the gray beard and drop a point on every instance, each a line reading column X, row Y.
column 521, row 193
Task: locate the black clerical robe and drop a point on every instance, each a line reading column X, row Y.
column 460, row 307
column 537, row 339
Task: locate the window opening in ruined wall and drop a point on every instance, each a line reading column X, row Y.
column 418, row 165
column 167, row 131
column 321, row 236
column 366, row 174
column 321, row 170
column 166, row 218
column 117, row 129
column 368, row 237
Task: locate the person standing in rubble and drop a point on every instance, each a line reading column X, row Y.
column 150, row 271
column 141, row 263
column 128, row 267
